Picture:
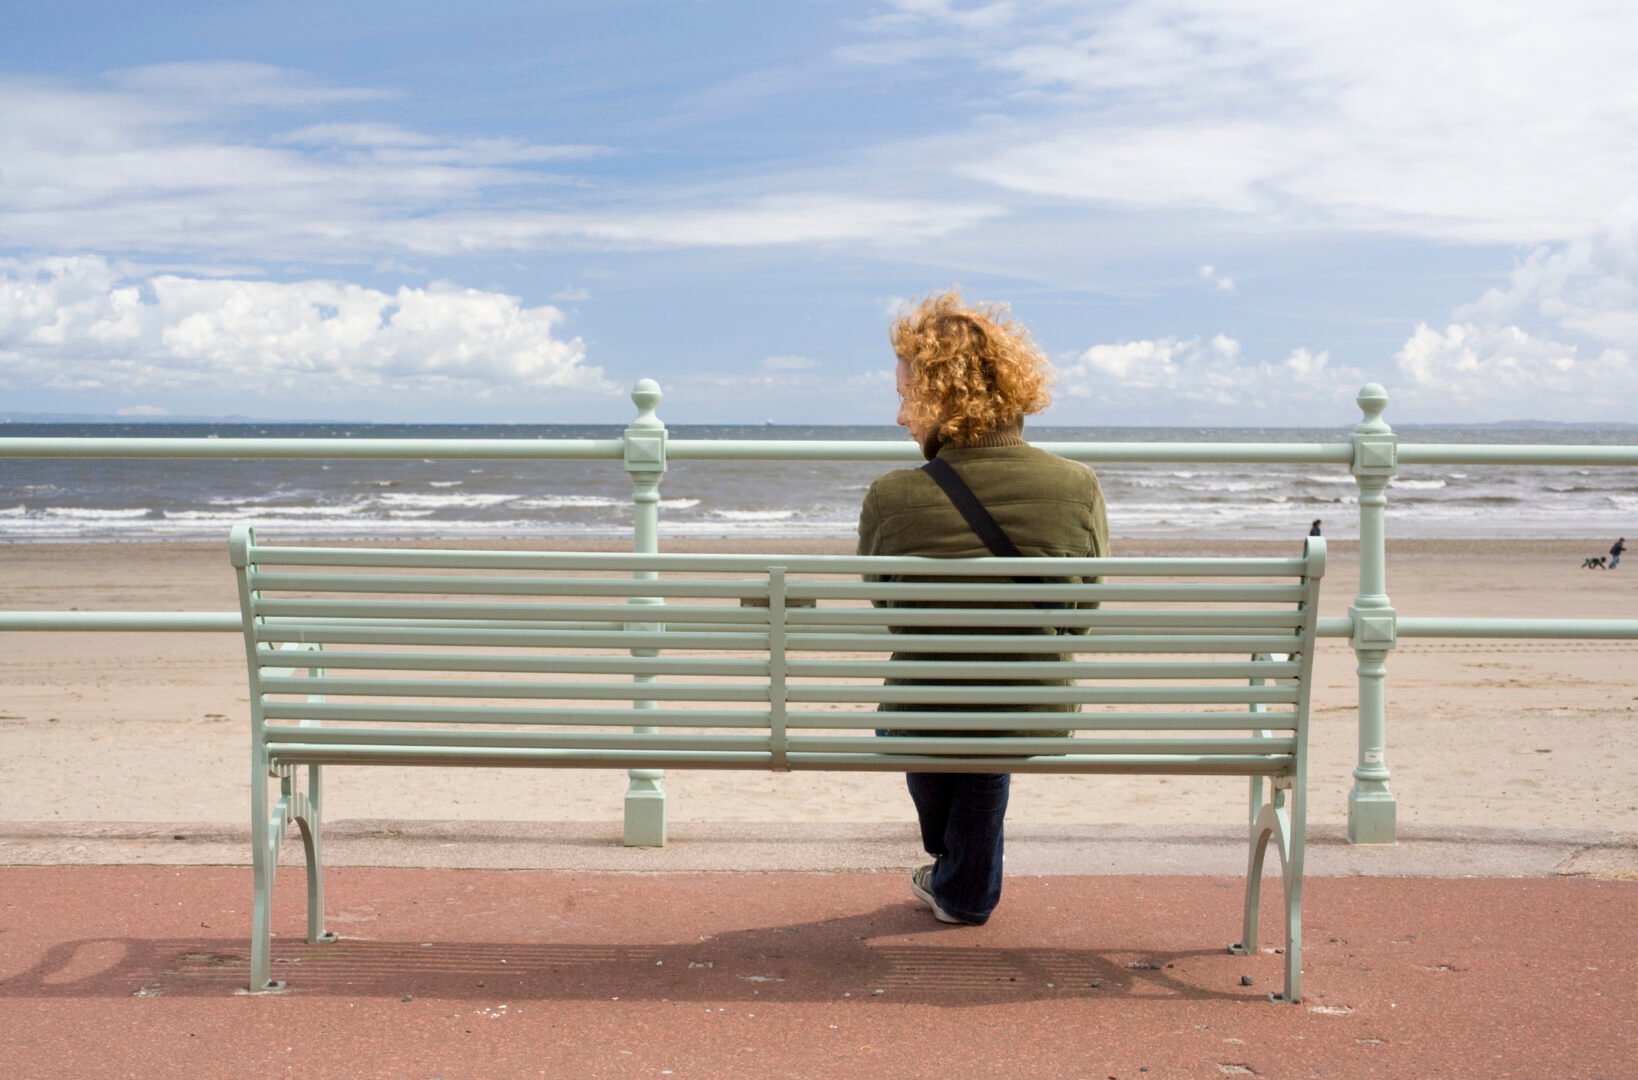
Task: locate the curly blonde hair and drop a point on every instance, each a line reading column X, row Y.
column 972, row 370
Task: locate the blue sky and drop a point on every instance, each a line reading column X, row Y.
column 1208, row 212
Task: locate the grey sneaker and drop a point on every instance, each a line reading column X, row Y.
column 921, row 883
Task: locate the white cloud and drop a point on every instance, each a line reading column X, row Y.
column 134, row 165
column 84, row 324
column 237, row 83
column 1469, row 371
column 1457, row 357
column 909, row 30
column 1502, row 122
column 796, row 218
column 1556, row 342
column 1218, row 281
column 571, row 295
column 712, row 396
column 789, row 363
column 971, row 16
column 1211, row 378
column 391, row 143
column 1166, row 363
column 1219, row 166
column 897, row 306
column 358, row 134
column 1586, row 287
column 1305, row 364
column 109, row 171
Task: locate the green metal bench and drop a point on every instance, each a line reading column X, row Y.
column 770, row 662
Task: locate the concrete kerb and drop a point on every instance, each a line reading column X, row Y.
column 1033, row 849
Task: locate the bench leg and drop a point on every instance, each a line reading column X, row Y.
column 1293, row 937
column 1266, row 825
column 267, row 832
column 264, row 858
column 310, row 823
column 1274, row 823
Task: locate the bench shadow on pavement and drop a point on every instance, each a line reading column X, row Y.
column 819, row 961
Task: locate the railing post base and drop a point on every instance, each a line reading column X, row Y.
column 1372, row 817
column 645, row 811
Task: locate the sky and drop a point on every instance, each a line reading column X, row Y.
column 1207, row 212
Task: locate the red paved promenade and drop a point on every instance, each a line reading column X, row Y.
column 137, row 971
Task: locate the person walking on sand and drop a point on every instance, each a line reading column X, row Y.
column 967, row 376
column 1615, row 552
column 1314, row 530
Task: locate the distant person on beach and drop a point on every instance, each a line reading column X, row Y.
column 1314, row 529
column 967, row 376
column 1615, row 552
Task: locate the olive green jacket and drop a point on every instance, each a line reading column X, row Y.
column 1049, row 507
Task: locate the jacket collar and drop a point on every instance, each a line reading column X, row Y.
column 1010, row 436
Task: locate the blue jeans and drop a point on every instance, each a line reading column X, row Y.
column 961, row 827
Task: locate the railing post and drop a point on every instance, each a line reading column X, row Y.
column 645, row 462
column 1372, row 808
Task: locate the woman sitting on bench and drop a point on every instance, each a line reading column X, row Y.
column 967, row 377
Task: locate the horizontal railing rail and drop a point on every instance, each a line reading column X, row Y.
column 1103, row 452
column 1372, row 455
column 161, row 622
column 1511, row 454
column 681, row 449
column 1329, row 626
column 214, row 449
column 1538, row 629
column 277, row 449
column 1410, row 626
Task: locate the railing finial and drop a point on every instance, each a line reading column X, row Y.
column 646, row 396
column 1372, row 401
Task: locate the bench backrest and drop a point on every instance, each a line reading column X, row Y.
column 773, row 661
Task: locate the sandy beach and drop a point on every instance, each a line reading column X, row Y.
column 151, row 727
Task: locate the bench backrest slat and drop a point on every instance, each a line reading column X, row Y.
column 844, row 565
column 521, row 715
column 487, row 637
column 1112, row 720
column 1237, row 644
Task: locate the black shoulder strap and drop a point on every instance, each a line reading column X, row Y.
column 994, row 537
column 988, row 529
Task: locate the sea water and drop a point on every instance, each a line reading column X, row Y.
column 59, row 499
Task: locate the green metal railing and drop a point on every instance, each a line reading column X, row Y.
column 1372, row 454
